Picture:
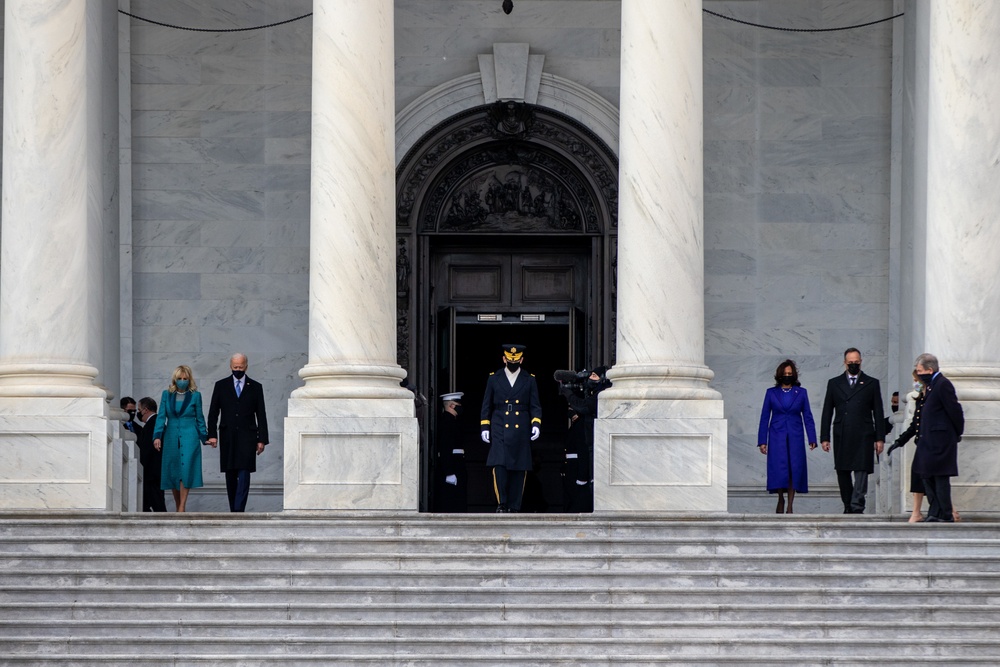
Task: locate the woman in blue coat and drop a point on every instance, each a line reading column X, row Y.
column 180, row 432
column 781, row 435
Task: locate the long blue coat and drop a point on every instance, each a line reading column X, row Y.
column 781, row 429
column 181, row 429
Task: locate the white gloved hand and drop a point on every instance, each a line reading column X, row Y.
column 535, row 432
column 486, row 437
column 451, row 479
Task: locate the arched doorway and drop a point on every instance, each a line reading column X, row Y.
column 506, row 231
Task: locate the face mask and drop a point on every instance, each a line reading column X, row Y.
column 787, row 380
column 918, row 386
column 853, row 369
column 512, row 366
column 925, row 378
column 182, row 385
column 458, row 409
column 239, row 374
column 131, row 415
column 895, row 408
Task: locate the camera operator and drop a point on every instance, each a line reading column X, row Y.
column 578, row 470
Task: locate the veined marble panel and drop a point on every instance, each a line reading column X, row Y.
column 157, row 40
column 166, row 233
column 198, row 205
column 763, row 340
column 219, row 260
column 456, row 41
column 246, row 313
column 660, row 465
column 235, row 233
column 253, row 286
column 791, row 126
column 267, row 69
column 186, row 286
column 789, row 72
column 733, row 126
column 286, row 260
column 824, row 153
column 857, row 100
column 265, row 124
column 165, row 69
column 287, row 97
column 727, row 99
column 344, row 463
column 874, row 71
column 720, row 262
column 730, row 235
column 287, row 232
column 826, row 178
column 833, row 236
column 197, row 151
column 286, row 150
column 287, row 205
column 170, row 338
column 192, row 97
column 167, row 123
column 224, row 177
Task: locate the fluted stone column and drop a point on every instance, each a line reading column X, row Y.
column 53, row 431
column 955, row 141
column 351, row 438
column 660, row 439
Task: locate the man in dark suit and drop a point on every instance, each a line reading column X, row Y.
column 150, row 458
column 942, row 423
column 854, row 403
column 510, row 419
column 237, row 422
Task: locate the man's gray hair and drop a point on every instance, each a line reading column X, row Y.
column 928, row 361
column 239, row 355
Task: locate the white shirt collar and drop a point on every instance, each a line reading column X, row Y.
column 511, row 377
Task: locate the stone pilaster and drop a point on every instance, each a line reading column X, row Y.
column 351, row 437
column 54, row 435
column 954, row 137
column 660, row 440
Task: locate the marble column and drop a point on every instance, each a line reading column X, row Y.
column 955, row 137
column 53, row 428
column 351, row 438
column 660, row 439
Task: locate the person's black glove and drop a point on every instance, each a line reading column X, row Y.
column 895, row 445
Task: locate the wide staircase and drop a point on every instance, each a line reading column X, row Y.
column 388, row 589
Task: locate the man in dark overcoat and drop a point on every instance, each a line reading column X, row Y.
column 150, row 457
column 942, row 423
column 237, row 423
column 854, row 404
column 510, row 419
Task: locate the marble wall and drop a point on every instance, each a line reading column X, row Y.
column 797, row 182
column 797, row 130
column 220, row 153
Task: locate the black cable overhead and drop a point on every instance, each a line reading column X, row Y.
column 716, row 14
column 181, row 27
column 774, row 27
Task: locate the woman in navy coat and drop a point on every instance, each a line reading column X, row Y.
column 781, row 435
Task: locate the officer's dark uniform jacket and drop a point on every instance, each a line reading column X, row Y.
column 509, row 413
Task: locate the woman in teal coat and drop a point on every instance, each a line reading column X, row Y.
column 180, row 431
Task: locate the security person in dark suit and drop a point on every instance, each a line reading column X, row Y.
column 578, row 470
column 150, row 457
column 237, row 422
column 854, row 403
column 942, row 423
column 510, row 419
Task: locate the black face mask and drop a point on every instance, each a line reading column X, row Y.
column 788, row 380
column 458, row 409
column 895, row 408
column 239, row 374
column 853, row 369
column 513, row 366
column 926, row 378
column 131, row 415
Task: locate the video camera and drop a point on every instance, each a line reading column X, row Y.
column 571, row 379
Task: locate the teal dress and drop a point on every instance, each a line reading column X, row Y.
column 181, row 430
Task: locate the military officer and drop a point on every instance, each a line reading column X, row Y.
column 510, row 419
column 452, row 478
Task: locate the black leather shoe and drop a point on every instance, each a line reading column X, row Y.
column 502, row 509
column 934, row 519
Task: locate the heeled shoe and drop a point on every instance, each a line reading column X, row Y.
column 781, row 506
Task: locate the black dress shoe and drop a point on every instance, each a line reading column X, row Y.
column 934, row 519
column 502, row 509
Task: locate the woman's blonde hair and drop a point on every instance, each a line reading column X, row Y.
column 182, row 370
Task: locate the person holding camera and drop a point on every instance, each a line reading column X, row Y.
column 578, row 469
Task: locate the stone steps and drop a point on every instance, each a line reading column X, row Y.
column 432, row 590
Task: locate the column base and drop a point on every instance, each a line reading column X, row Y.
column 55, row 452
column 672, row 457
column 340, row 456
